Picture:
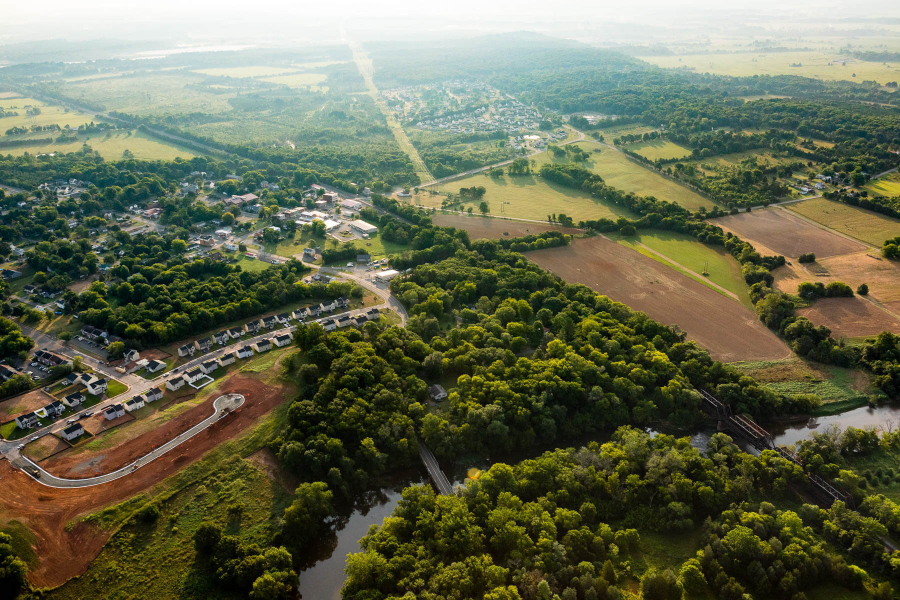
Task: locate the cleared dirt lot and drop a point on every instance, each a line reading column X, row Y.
column 24, row 403
column 65, row 552
column 786, row 233
column 487, row 227
column 881, row 275
column 851, row 317
column 727, row 329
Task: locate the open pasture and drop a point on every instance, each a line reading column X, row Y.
column 659, row 149
column 620, row 172
column 868, row 226
column 492, row 228
column 299, row 80
column 252, row 71
column 50, row 115
column 784, row 233
column 112, row 145
column 610, row 131
column 851, row 317
column 888, row 185
column 727, row 329
column 817, row 65
column 150, row 94
column 881, row 275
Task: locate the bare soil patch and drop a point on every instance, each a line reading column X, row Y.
column 850, row 317
column 45, row 447
column 491, row 227
column 23, row 404
column 786, row 234
column 63, row 553
column 268, row 463
column 730, row 331
column 881, row 275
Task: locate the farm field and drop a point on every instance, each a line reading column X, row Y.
column 851, row 317
column 50, row 115
column 659, row 149
column 492, row 228
column 112, row 145
column 784, row 233
column 63, row 552
column 252, row 71
column 620, row 172
column 300, row 80
column 685, row 251
column 868, row 226
column 734, row 158
column 888, row 185
column 150, row 94
column 727, row 329
column 610, row 131
column 817, row 65
column 882, row 276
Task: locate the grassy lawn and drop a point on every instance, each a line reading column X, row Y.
column 864, row 225
column 889, row 185
column 114, row 388
column 881, row 469
column 528, row 197
column 620, row 172
column 9, row 430
column 685, row 250
column 252, row 265
column 112, row 145
column 659, row 149
column 376, row 247
column 170, row 364
column 817, row 65
column 50, row 115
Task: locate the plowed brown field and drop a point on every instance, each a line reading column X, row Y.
column 46, row 511
column 727, row 329
column 490, row 228
column 851, row 317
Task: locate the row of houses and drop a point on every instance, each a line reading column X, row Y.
column 140, row 400
column 224, row 337
column 206, row 368
column 50, row 359
column 347, row 320
column 93, row 385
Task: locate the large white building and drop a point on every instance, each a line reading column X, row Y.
column 363, row 227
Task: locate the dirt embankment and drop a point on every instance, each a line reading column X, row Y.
column 46, row 511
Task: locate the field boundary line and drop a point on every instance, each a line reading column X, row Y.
column 828, row 229
column 695, row 274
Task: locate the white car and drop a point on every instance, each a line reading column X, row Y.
column 350, row 264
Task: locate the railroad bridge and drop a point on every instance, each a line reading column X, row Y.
column 759, row 438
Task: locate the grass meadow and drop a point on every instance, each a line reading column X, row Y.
column 659, row 149
column 161, row 93
column 889, row 185
column 50, row 115
column 864, row 225
column 112, row 146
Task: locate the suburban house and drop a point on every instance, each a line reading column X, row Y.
column 437, row 392
column 92, row 332
column 363, row 227
column 193, row 375
column 313, row 311
column 132, row 356
column 226, row 359
column 10, row 274
column 203, row 345
column 263, row 345
column 114, row 412
column 95, row 386
column 270, row 322
column 329, row 306
column 134, row 404
column 73, row 400
column 221, row 338
column 7, row 372
column 186, row 350
column 155, row 365
column 208, row 366
column 359, row 319
column 45, row 357
column 252, row 326
column 299, row 314
column 175, row 383
column 235, row 332
column 373, row 314
column 245, row 352
column 27, row 421
column 55, row 408
column 72, row 431
column 329, row 325
column 72, row 378
column 344, row 321
column 153, row 394
column 282, row 340
column 284, row 318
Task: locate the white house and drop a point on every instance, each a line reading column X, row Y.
column 385, row 276
column 363, row 227
column 114, row 412
column 193, row 375
column 186, row 350
column 344, row 321
column 134, row 403
column 72, row 431
column 175, row 383
column 73, row 400
column 329, row 325
column 270, row 322
column 55, row 408
column 132, row 356
column 235, row 332
column 245, row 352
column 221, row 338
column 155, row 365
column 208, row 366
column 252, row 326
column 153, row 394
column 282, row 340
column 203, row 345
column 27, row 421
column 96, row 386
column 226, row 359
column 263, row 345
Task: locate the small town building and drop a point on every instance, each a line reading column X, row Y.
column 363, row 227
column 385, row 276
column 134, row 404
column 175, row 383
column 437, row 392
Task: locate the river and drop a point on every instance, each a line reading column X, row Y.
column 324, row 576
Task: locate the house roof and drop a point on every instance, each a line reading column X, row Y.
column 154, row 390
column 282, row 337
column 245, row 349
column 73, row 428
column 75, row 396
column 194, row 373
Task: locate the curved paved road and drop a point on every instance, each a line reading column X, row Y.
column 221, row 407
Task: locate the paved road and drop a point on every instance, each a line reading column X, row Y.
column 434, row 469
column 221, row 407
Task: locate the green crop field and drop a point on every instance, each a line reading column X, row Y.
column 111, row 146
column 817, row 65
column 151, row 94
column 620, row 172
column 258, row 71
column 610, row 131
column 865, row 225
column 888, row 185
column 695, row 256
column 50, row 115
column 300, row 80
column 659, row 149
